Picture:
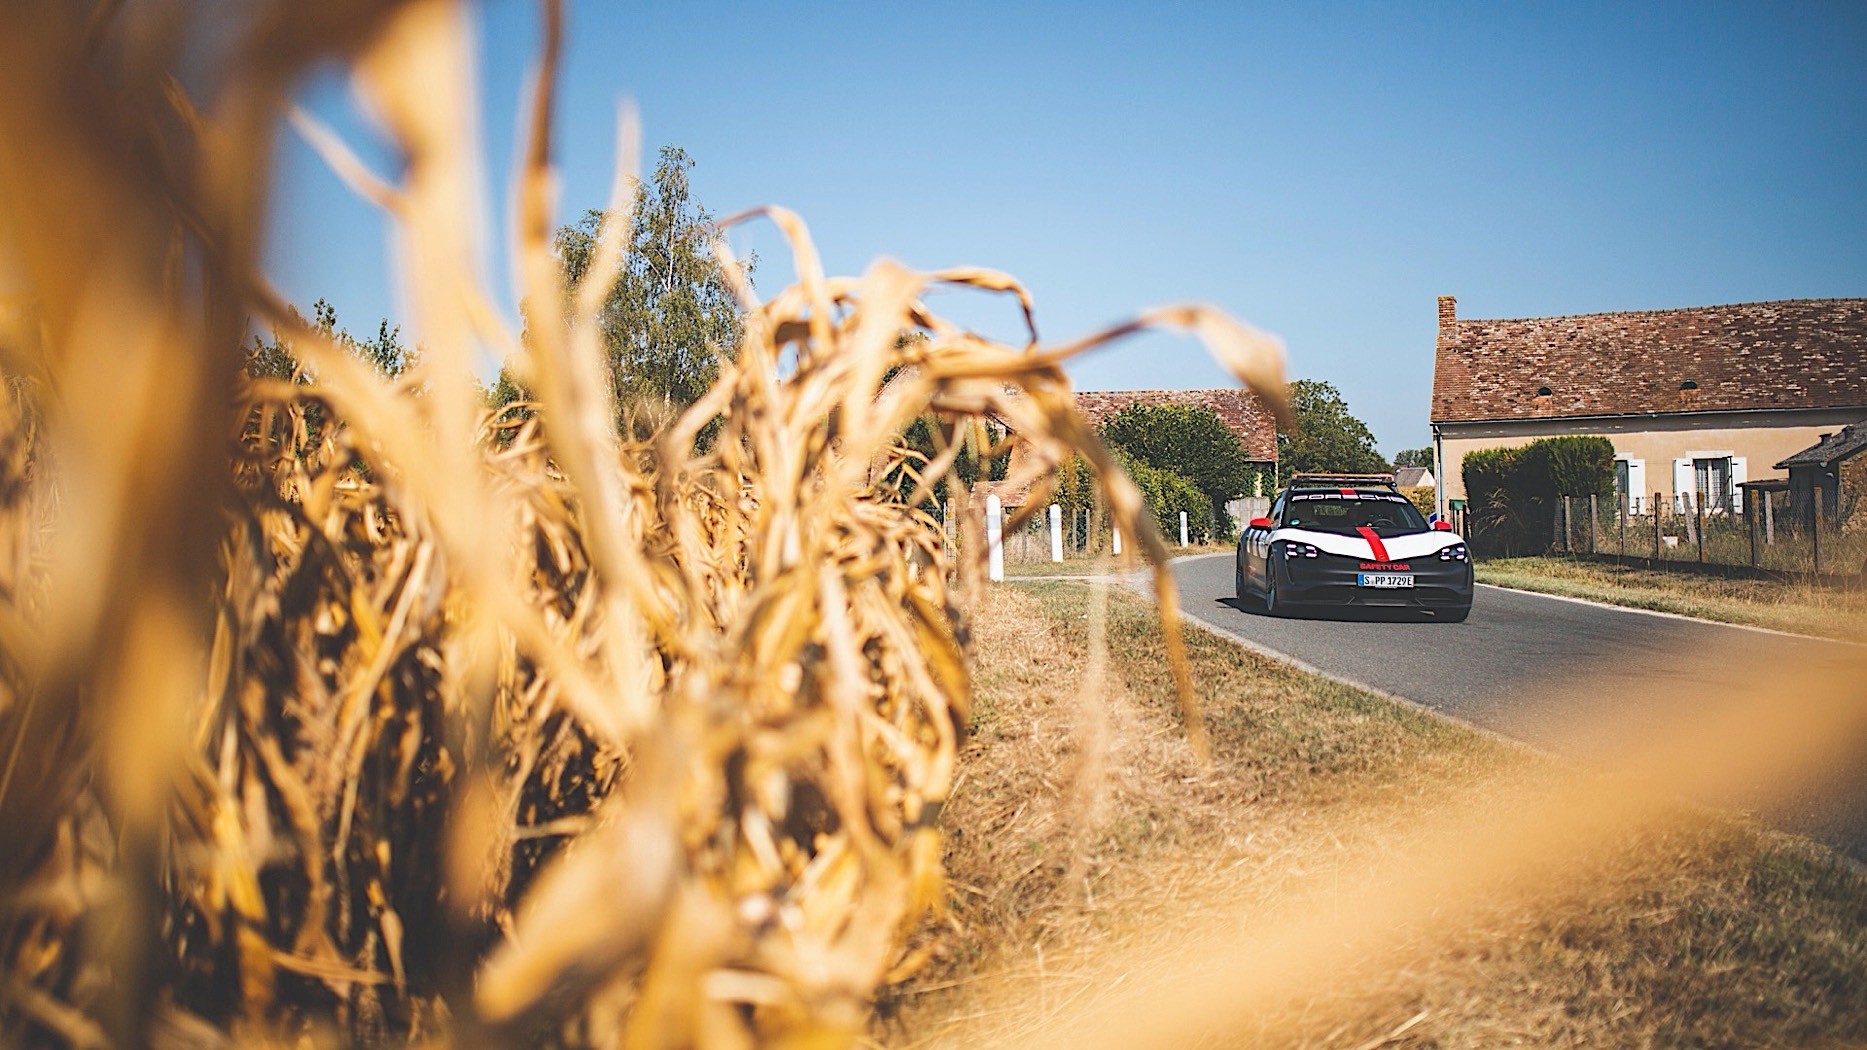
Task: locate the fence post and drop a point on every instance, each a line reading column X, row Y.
column 1056, row 533
column 994, row 539
column 1769, row 520
column 1594, row 543
column 1815, row 532
column 1620, row 546
column 1182, row 528
column 1698, row 515
column 1750, row 523
column 1656, row 526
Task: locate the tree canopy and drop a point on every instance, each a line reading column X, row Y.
column 1414, row 457
column 1327, row 438
column 273, row 358
column 670, row 315
column 1190, row 441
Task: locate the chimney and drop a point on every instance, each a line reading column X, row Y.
column 1448, row 310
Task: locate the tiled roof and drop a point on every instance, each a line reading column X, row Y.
column 1850, row 441
column 1240, row 410
column 1795, row 353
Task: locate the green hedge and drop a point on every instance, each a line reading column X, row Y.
column 1513, row 493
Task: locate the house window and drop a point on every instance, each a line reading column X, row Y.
column 1713, row 482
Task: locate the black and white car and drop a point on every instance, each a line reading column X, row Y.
column 1352, row 540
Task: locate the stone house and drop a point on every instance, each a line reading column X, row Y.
column 1695, row 400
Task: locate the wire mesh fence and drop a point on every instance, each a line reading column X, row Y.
column 1758, row 528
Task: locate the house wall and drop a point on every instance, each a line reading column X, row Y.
column 1760, row 439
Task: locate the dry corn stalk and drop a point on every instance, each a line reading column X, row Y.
column 341, row 706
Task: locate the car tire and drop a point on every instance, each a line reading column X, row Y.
column 1273, row 607
column 1457, row 615
column 1238, row 580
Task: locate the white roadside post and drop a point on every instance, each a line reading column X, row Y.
column 994, row 539
column 1182, row 528
column 1118, row 540
column 1056, row 533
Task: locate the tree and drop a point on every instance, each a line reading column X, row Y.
column 273, row 359
column 670, row 315
column 1188, row 440
column 1414, row 457
column 1327, row 439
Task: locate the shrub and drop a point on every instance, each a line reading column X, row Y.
column 1166, row 494
column 1424, row 497
column 1513, row 492
column 1191, row 441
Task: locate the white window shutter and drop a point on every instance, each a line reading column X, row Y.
column 1637, row 490
column 1683, row 483
column 1738, row 477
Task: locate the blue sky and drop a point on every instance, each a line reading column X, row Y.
column 1322, row 171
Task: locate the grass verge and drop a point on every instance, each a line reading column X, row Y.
column 1796, row 607
column 1082, row 833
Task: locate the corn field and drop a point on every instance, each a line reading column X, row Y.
column 342, row 709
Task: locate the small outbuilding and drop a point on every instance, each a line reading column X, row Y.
column 1818, row 474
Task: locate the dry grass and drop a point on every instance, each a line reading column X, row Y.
column 1089, row 853
column 1800, row 608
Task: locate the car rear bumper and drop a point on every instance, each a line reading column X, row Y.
column 1331, row 580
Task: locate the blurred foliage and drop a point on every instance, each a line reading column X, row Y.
column 272, row 358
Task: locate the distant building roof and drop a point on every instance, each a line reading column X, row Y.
column 1240, row 410
column 1850, row 441
column 1413, row 477
column 1794, row 353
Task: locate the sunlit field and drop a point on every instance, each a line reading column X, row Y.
column 457, row 693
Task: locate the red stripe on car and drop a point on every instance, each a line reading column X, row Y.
column 1374, row 542
column 1350, row 493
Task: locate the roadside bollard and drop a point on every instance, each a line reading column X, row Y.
column 1056, row 533
column 1182, row 528
column 994, row 539
column 1118, row 540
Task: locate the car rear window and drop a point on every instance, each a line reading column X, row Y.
column 1387, row 514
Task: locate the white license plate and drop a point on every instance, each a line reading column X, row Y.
column 1384, row 579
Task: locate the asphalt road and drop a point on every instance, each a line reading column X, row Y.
column 1568, row 677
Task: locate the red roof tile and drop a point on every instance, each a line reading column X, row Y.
column 1240, row 410
column 1795, row 353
